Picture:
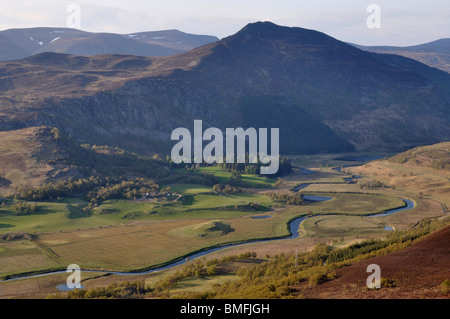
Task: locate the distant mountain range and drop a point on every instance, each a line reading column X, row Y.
column 324, row 95
column 17, row 44
column 435, row 54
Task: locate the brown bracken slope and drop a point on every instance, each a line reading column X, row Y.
column 417, row 272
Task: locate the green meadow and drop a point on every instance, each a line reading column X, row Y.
column 193, row 201
column 252, row 180
column 127, row 235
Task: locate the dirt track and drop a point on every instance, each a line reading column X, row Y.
column 418, row 272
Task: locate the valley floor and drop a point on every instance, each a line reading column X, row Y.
column 135, row 235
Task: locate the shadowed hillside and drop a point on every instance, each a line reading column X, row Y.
column 314, row 86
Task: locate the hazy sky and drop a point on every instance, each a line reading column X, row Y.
column 402, row 22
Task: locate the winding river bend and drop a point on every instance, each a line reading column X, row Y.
column 293, row 229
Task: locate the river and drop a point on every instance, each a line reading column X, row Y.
column 293, row 229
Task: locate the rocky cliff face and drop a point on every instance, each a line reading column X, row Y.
column 324, row 95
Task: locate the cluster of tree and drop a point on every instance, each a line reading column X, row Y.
column 188, row 177
column 371, row 184
column 284, row 169
column 250, row 207
column 210, row 179
column 127, row 189
column 276, row 277
column 280, row 183
column 354, row 250
column 195, row 269
column 443, row 164
column 231, row 258
column 139, row 289
column 106, row 161
column 236, row 180
column 394, row 239
column 237, row 169
column 228, row 189
column 70, row 187
column 22, row 208
column 286, row 197
column 241, row 168
column 191, row 269
column 122, row 290
column 445, row 286
column 15, row 236
column 94, row 188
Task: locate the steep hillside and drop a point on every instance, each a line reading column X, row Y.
column 33, row 156
column 25, row 157
column 415, row 272
column 434, row 156
column 423, row 171
column 10, row 51
column 336, row 96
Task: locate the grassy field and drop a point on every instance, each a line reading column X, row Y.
column 200, row 284
column 124, row 247
column 190, row 189
column 350, row 204
column 252, row 180
column 128, row 235
column 67, row 214
column 49, row 217
column 412, row 178
column 132, row 245
column 343, row 226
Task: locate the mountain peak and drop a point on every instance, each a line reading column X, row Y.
column 260, row 25
column 266, row 30
column 323, row 94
